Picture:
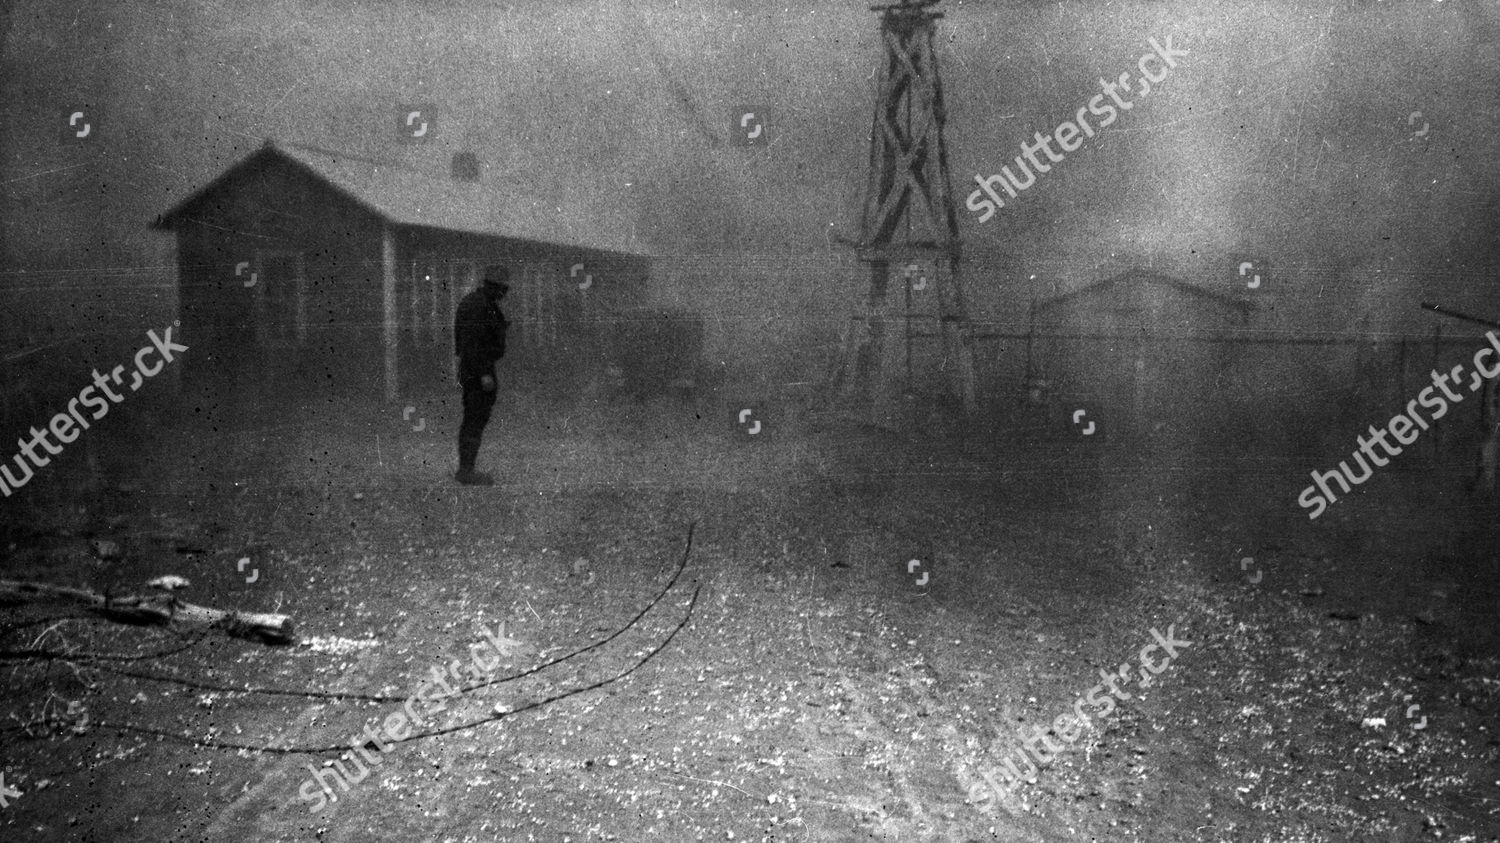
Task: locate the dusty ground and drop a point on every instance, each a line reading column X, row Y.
column 1341, row 684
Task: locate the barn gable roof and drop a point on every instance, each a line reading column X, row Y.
column 405, row 196
column 1142, row 276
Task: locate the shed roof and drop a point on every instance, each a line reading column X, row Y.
column 1143, row 276
column 405, row 196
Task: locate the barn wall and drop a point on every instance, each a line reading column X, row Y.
column 1142, row 358
column 255, row 216
column 558, row 318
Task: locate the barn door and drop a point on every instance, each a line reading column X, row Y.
column 278, row 295
column 427, row 272
column 421, row 299
column 279, row 290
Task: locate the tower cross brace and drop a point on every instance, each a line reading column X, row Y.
column 908, row 217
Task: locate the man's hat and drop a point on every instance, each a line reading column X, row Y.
column 497, row 275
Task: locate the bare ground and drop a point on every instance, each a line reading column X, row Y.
column 1341, row 684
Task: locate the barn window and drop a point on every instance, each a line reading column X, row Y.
column 462, row 276
column 540, row 289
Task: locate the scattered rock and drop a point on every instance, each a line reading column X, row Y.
column 337, row 645
column 105, row 549
column 168, row 583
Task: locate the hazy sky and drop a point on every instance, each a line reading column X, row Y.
column 1290, row 131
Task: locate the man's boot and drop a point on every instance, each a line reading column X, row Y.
column 468, row 452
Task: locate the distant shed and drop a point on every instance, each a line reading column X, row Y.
column 307, row 267
column 1140, row 352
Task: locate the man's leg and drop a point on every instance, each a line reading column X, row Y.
column 478, row 403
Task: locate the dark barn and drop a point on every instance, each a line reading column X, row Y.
column 1140, row 351
column 299, row 267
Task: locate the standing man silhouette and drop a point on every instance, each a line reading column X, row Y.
column 479, row 340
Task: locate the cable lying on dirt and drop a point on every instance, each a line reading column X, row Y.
column 390, row 698
column 212, row 743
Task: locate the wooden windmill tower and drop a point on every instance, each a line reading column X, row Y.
column 909, row 232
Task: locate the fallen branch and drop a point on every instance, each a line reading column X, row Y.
column 162, row 610
column 498, row 714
